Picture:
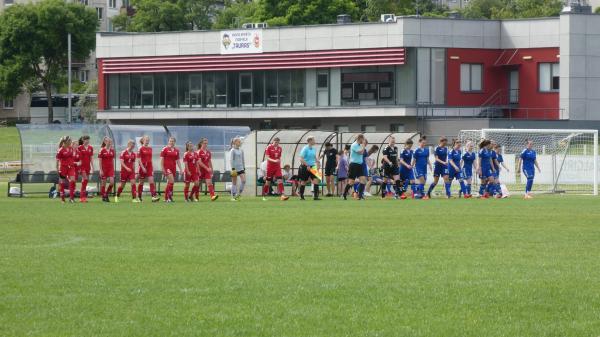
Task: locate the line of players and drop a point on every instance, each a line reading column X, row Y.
column 75, row 159
column 452, row 163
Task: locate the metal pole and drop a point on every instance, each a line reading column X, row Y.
column 69, row 76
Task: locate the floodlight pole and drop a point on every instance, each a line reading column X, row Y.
column 70, row 110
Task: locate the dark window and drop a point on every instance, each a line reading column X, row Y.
column 284, row 87
column 322, row 81
column 147, row 91
column 171, row 84
column 258, row 88
column 196, row 90
column 113, row 91
column 271, row 88
column 245, row 89
column 159, row 91
column 367, row 88
column 209, row 90
column 124, row 102
column 184, row 90
column 298, row 88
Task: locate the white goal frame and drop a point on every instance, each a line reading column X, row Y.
column 488, row 134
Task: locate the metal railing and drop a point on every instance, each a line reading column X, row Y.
column 497, row 112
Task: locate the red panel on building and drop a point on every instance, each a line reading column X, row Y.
column 497, row 65
column 265, row 61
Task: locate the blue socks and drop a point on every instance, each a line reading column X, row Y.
column 529, row 185
column 463, row 188
column 448, row 185
column 482, row 188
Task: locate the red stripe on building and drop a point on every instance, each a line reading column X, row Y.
column 265, row 61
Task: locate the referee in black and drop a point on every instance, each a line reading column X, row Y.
column 391, row 168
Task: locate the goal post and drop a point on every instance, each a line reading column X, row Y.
column 568, row 158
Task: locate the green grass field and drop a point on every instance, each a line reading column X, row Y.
column 379, row 268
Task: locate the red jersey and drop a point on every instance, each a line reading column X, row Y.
column 170, row 156
column 128, row 159
column 191, row 159
column 65, row 157
column 85, row 155
column 204, row 156
column 145, row 155
column 107, row 159
column 273, row 152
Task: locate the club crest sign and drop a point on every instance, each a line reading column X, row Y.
column 247, row 41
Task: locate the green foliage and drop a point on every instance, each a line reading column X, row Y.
column 87, row 105
column 166, row 15
column 33, row 43
column 374, row 8
column 597, row 10
column 511, row 9
column 236, row 13
column 451, row 268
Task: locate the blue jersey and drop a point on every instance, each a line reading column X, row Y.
column 454, row 156
column 406, row 156
column 484, row 159
column 494, row 155
column 468, row 159
column 441, row 154
column 355, row 156
column 421, row 156
column 528, row 157
column 309, row 153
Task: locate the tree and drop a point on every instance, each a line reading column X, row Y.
column 166, row 15
column 597, row 11
column 33, row 44
column 236, row 13
column 88, row 107
column 511, row 9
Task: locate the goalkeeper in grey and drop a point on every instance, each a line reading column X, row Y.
column 238, row 169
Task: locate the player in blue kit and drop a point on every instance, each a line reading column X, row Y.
column 498, row 162
column 528, row 161
column 468, row 163
column 454, row 171
column 420, row 163
column 406, row 170
column 486, row 169
column 440, row 167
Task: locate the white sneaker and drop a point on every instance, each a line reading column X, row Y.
column 367, row 194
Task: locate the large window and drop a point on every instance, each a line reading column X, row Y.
column 471, row 77
column 549, row 76
column 367, row 88
column 8, row 104
column 206, row 90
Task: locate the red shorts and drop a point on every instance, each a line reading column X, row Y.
column 107, row 174
column 66, row 172
column 170, row 170
column 127, row 175
column 149, row 172
column 205, row 175
column 273, row 172
column 191, row 177
column 87, row 170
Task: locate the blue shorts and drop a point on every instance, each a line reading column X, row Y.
column 529, row 174
column 406, row 174
column 453, row 174
column 366, row 171
column 467, row 173
column 420, row 172
column 439, row 170
column 486, row 173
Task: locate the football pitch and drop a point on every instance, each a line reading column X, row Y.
column 331, row 268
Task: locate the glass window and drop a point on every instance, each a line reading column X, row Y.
column 367, row 88
column 196, row 90
column 471, row 77
column 271, row 88
column 368, row 128
column 112, row 3
column 113, row 91
column 136, row 91
column 246, row 89
column 221, row 97
column 184, row 91
column 423, row 75
column 342, row 128
column 8, row 104
column 549, row 76
column 209, row 90
column 298, row 88
column 258, row 88
column 171, row 88
column 396, row 127
column 322, row 80
column 438, row 76
column 159, row 91
column 99, row 12
column 124, row 102
column 147, row 91
column 284, row 87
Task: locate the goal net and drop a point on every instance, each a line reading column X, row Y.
column 567, row 158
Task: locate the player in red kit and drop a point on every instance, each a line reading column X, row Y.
column 169, row 162
column 145, row 170
column 206, row 168
column 65, row 165
column 190, row 161
column 86, row 153
column 106, row 157
column 273, row 156
column 127, row 158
